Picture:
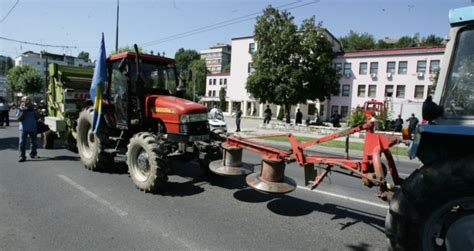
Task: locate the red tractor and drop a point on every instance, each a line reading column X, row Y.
column 144, row 121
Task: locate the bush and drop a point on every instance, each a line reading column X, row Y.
column 383, row 122
column 281, row 114
column 356, row 118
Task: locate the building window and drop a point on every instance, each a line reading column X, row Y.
column 434, row 65
column 38, row 63
column 400, row 91
column 225, row 81
column 214, row 82
column 210, row 81
column 372, row 91
column 374, row 68
column 338, row 67
column 321, row 110
column 344, row 111
column 334, row 109
column 311, row 109
column 213, row 93
column 419, row 91
column 421, row 66
column 388, row 91
column 210, row 93
column 391, row 67
column 363, row 68
column 251, row 47
column 250, row 68
column 220, row 81
column 402, row 67
column 361, row 91
column 346, row 89
column 347, row 69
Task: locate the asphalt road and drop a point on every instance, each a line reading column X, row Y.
column 54, row 203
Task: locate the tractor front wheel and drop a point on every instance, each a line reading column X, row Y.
column 145, row 162
column 91, row 147
column 434, row 209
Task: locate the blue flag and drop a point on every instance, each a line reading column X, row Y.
column 97, row 86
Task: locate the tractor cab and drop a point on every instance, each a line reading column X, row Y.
column 130, row 82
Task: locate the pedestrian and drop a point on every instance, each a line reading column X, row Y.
column 4, row 110
column 412, row 123
column 238, row 116
column 268, row 115
column 335, row 119
column 398, row 123
column 213, row 113
column 299, row 117
column 27, row 117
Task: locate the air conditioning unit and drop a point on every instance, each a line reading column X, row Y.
column 389, row 75
column 373, row 75
column 347, row 75
column 421, row 74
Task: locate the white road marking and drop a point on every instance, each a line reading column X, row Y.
column 94, row 196
column 345, row 197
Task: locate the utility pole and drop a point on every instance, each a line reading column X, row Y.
column 117, row 28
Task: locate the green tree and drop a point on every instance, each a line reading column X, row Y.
column 6, row 63
column 357, row 41
column 127, row 48
column 431, row 40
column 25, row 79
column 407, row 41
column 291, row 65
column 381, row 44
column 198, row 78
column 83, row 55
column 222, row 102
column 184, row 58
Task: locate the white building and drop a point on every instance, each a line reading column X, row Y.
column 3, row 86
column 241, row 66
column 214, row 83
column 400, row 76
column 216, row 57
column 38, row 60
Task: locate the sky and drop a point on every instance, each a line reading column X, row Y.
column 157, row 24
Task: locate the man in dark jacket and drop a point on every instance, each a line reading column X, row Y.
column 412, row 123
column 238, row 116
column 299, row 117
column 398, row 124
column 268, row 115
column 27, row 116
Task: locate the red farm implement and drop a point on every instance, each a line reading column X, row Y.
column 271, row 178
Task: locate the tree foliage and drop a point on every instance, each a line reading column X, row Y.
column 222, row 102
column 198, row 78
column 6, row 63
column 292, row 65
column 184, row 58
column 83, row 55
column 365, row 41
column 357, row 41
column 24, row 78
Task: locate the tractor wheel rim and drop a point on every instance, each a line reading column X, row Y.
column 451, row 227
column 142, row 166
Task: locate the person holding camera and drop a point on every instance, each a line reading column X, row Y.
column 27, row 117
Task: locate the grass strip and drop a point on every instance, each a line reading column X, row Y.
column 396, row 150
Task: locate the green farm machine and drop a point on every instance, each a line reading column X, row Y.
column 67, row 92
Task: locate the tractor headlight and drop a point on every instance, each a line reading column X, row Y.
column 186, row 118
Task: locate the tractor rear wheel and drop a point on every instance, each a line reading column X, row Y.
column 146, row 163
column 434, row 209
column 91, row 147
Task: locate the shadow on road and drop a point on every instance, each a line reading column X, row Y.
column 9, row 143
column 294, row 207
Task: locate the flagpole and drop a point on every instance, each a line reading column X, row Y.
column 117, row 28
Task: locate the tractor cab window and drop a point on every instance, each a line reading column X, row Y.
column 118, row 94
column 459, row 91
column 158, row 76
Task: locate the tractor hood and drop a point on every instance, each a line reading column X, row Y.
column 173, row 105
